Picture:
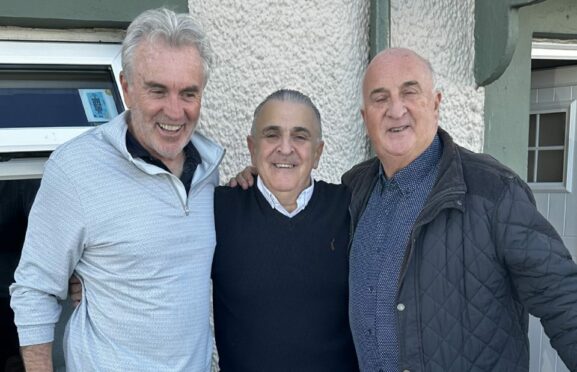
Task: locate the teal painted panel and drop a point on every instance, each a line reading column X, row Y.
column 78, row 13
column 496, row 29
column 507, row 100
column 379, row 26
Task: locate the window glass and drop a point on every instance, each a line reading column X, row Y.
column 57, row 96
column 547, row 144
column 552, row 129
column 550, row 166
column 531, row 166
column 532, row 129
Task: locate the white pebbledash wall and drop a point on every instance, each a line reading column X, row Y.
column 443, row 32
column 321, row 48
column 317, row 47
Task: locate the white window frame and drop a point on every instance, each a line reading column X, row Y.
column 558, row 49
column 541, row 49
column 47, row 139
column 570, row 110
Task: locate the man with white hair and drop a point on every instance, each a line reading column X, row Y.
column 128, row 208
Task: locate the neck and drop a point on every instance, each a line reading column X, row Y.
column 175, row 165
column 392, row 166
column 287, row 200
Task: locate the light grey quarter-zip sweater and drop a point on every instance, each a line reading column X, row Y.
column 141, row 246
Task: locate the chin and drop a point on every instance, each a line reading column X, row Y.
column 399, row 149
column 169, row 154
column 283, row 187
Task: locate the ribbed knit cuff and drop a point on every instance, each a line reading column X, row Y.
column 36, row 334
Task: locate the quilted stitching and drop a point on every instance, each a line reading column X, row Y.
column 488, row 257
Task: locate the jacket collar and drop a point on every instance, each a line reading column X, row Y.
column 450, row 187
column 450, row 167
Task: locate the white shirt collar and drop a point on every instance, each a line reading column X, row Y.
column 302, row 200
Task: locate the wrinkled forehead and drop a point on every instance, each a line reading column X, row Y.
column 395, row 71
column 148, row 53
column 288, row 116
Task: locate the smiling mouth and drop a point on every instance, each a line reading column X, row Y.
column 398, row 129
column 172, row 128
column 283, row 165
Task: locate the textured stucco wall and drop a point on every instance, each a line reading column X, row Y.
column 443, row 32
column 318, row 47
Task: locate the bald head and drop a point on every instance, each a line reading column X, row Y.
column 393, row 57
column 400, row 107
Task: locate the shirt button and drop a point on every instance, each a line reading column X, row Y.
column 371, row 289
column 369, row 332
column 401, row 307
column 406, row 370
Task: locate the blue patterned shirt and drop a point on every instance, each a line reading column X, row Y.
column 379, row 245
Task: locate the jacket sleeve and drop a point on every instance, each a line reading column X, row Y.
column 53, row 246
column 541, row 268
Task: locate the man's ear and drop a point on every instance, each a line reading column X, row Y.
column 438, row 98
column 251, row 149
column 318, row 152
column 124, row 84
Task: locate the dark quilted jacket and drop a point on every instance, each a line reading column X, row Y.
column 479, row 258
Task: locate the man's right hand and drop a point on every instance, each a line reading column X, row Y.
column 75, row 290
column 245, row 178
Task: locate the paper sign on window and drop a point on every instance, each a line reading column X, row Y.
column 98, row 104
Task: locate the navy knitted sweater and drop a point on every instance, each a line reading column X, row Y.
column 280, row 285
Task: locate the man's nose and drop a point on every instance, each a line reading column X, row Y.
column 285, row 146
column 396, row 108
column 173, row 107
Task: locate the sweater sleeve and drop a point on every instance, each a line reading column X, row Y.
column 53, row 246
column 543, row 272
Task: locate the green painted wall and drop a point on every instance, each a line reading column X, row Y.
column 78, row 13
column 507, row 99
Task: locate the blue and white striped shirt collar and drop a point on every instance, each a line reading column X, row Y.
column 302, row 200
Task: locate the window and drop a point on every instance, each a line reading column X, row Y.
column 551, row 138
column 552, row 116
column 61, row 96
column 51, row 92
